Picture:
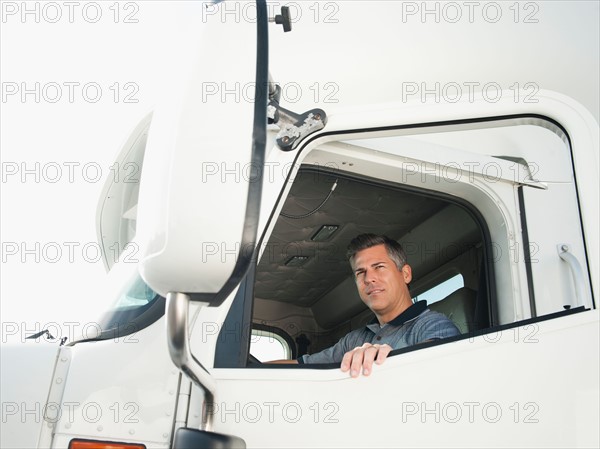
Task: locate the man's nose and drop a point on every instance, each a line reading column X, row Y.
column 369, row 277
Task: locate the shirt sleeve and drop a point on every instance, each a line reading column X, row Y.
column 333, row 354
column 433, row 326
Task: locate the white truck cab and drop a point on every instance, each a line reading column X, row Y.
column 241, row 218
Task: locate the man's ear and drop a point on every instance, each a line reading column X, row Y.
column 407, row 273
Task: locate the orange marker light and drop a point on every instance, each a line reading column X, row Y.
column 90, row 444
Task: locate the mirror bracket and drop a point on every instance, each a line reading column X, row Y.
column 177, row 315
column 293, row 127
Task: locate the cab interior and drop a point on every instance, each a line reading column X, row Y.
column 304, row 290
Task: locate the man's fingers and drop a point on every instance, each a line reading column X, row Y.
column 382, row 354
column 369, row 355
column 345, row 366
column 357, row 361
column 362, row 358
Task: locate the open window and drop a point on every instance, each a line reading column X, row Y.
column 441, row 290
column 304, row 284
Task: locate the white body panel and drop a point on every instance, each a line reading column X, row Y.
column 473, row 393
column 123, row 389
column 27, row 376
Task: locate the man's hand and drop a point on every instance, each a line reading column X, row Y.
column 361, row 358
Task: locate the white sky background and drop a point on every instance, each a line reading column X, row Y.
column 39, row 211
column 147, row 52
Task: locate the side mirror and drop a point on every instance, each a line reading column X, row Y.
column 201, row 185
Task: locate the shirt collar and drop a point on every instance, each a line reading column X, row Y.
column 412, row 312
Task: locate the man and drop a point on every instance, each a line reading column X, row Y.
column 382, row 277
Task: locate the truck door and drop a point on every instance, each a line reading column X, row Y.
column 496, row 383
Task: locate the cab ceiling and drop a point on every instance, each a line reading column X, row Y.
column 356, row 206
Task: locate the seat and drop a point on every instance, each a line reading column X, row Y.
column 459, row 306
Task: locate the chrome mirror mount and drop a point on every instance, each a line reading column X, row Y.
column 177, row 312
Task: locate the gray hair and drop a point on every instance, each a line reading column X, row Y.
column 364, row 241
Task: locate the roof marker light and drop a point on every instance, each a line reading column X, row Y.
column 296, row 261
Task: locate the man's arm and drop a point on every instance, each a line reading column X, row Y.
column 358, row 360
column 333, row 354
column 283, row 362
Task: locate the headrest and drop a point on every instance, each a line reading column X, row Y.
column 459, row 306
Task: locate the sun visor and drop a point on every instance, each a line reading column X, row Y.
column 199, row 165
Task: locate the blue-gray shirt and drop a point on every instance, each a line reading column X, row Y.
column 415, row 325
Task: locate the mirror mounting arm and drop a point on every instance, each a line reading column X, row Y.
column 293, row 127
column 177, row 312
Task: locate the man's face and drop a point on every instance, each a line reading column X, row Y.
column 381, row 285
